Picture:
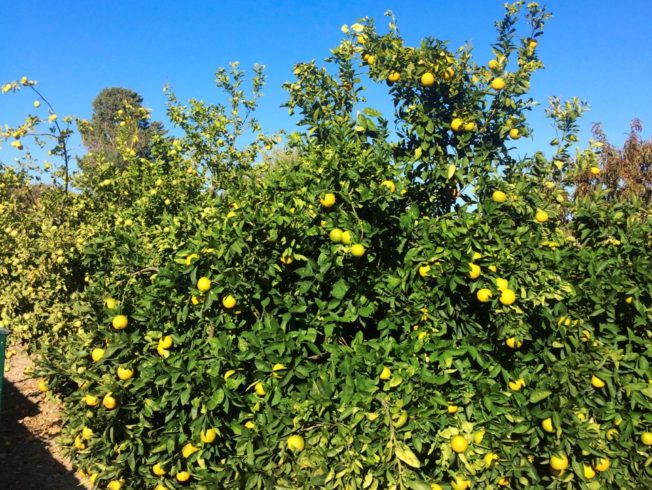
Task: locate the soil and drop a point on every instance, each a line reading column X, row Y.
column 30, row 457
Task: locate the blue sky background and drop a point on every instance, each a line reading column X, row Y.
column 598, row 50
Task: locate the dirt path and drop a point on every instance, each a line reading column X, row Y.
column 29, row 424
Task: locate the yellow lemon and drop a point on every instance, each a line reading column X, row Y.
column 427, row 79
column 287, row 260
column 87, row 433
column 493, row 64
column 188, row 450
column 602, row 464
column 208, row 436
column 249, row 424
column 516, row 385
column 91, row 401
column 459, row 444
column 336, row 235
column 357, row 250
column 125, row 373
column 424, row 271
column 498, row 83
column 559, row 462
column 393, row 76
column 158, row 470
column 595, row 170
column 514, row 133
column 532, row 44
column 109, row 303
column 490, row 459
column 460, row 483
column 507, row 297
column 109, row 402
column 346, row 237
column 97, row 354
column 120, row 322
column 42, row 385
column 503, row 482
column 191, row 258
column 328, row 200
column 194, row 300
column 546, row 425
column 484, row 295
column 435, row 486
column 165, row 342
column 588, row 472
column 629, row 300
column 114, row 485
column 474, row 271
column 498, row 197
column 259, row 389
column 183, row 476
column 228, row 302
column 513, row 343
column 456, row 124
column 646, row 438
column 295, row 443
column 478, row 436
column 469, row 126
column 391, row 186
column 276, row 370
column 204, row 284
column 541, row 216
column 385, row 374
column 612, row 434
column 452, row 408
column 597, row 382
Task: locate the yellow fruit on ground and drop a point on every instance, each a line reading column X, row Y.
column 208, row 436
column 276, row 370
column 97, row 354
column 541, row 216
column 646, row 438
column 87, row 433
column 91, row 401
column 427, row 79
column 110, row 303
column 295, row 443
column 188, row 450
column 393, row 76
column 507, row 297
column 424, row 271
column 114, row 485
column 589, row 473
column 228, row 302
column 456, row 124
column 204, row 284
column 498, row 83
column 546, row 425
column 391, row 186
column 514, row 133
column 602, row 464
column 513, row 343
column 346, row 237
column 493, row 64
column 474, row 271
column 259, row 389
column 328, row 200
column 42, row 385
column 336, row 235
column 183, row 476
column 595, row 170
column 158, row 470
column 357, row 250
column 499, row 197
column 460, row 483
column 559, row 462
column 484, row 295
column 385, row 374
column 516, row 385
column 459, row 444
column 109, row 402
column 125, row 373
column 597, row 382
column 120, row 322
column 165, row 342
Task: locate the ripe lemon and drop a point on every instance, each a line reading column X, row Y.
column 588, row 472
column 109, row 303
column 424, row 271
column 91, row 401
column 514, row 133
column 478, row 436
column 120, row 322
column 474, row 271
column 328, row 200
column 371, row 59
column 97, row 354
column 109, row 402
column 559, row 462
column 646, row 438
column 114, row 485
column 391, row 186
column 357, row 250
column 612, row 434
column 435, row 486
column 228, row 302
column 532, row 44
column 393, row 76
column 595, row 170
column 191, row 258
column 125, row 373
column 385, row 374
column 499, row 197
column 287, row 260
column 513, row 343
column 469, row 126
column 260, row 389
column 183, row 476
column 493, row 64
column 160, row 486
column 188, row 450
column 516, row 385
column 498, row 83
column 158, row 470
column 460, row 483
column 165, row 342
column 276, row 370
column 427, row 79
column 249, row 424
column 547, row 425
column 484, row 295
column 295, row 443
column 459, row 444
column 42, row 385
column 453, row 408
column 597, row 382
column 502, row 284
column 503, row 482
column 208, row 436
column 541, row 216
column 602, row 464
column 194, row 300
column 336, row 235
column 87, row 433
column 490, row 459
column 629, row 300
column 346, row 237
column 204, row 284
column 507, row 297
column 456, row 124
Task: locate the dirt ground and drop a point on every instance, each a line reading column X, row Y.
column 29, row 425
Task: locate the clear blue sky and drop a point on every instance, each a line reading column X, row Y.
column 598, row 50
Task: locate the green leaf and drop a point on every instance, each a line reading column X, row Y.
column 539, row 395
column 405, row 454
column 339, row 289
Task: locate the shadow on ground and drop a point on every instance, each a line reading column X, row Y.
column 26, row 462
